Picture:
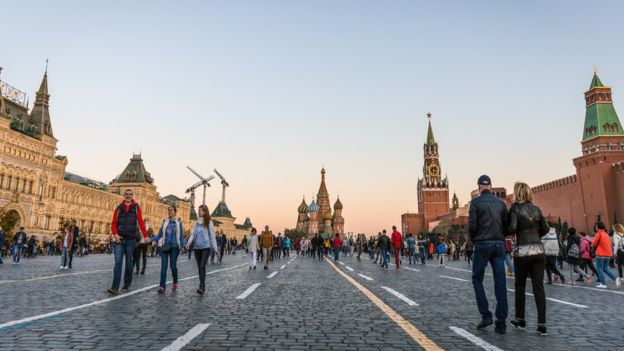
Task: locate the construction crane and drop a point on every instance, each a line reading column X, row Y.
column 203, row 182
column 224, row 184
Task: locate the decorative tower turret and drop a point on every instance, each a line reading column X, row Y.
column 40, row 114
column 455, row 202
column 338, row 221
column 302, row 220
column 313, row 226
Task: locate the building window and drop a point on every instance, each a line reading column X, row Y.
column 24, row 185
column 30, row 186
column 46, row 224
column 15, row 184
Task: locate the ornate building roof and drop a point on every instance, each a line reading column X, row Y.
column 303, row 208
column 222, row 211
column 600, row 116
column 338, row 205
column 134, row 172
column 247, row 223
column 40, row 113
column 313, row 207
column 74, row 178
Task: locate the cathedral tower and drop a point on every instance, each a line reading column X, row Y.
column 302, row 219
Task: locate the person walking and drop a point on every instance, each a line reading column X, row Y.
column 359, row 245
column 411, row 248
column 586, row 256
column 441, row 251
column 203, row 240
column 551, row 250
column 252, row 247
column 487, row 224
column 170, row 240
column 125, row 226
column 573, row 249
column 337, row 245
column 266, row 243
column 527, row 223
column 75, row 231
column 397, row 240
column 18, row 243
column 384, row 247
column 223, row 244
column 618, row 250
column 68, row 240
column 604, row 252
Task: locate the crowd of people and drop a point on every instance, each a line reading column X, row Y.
column 518, row 238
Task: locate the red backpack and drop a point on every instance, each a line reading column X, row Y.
column 508, row 245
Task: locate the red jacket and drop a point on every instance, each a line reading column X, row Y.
column 602, row 243
column 396, row 239
column 337, row 242
column 139, row 218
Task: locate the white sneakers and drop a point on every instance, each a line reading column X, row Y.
column 63, row 267
column 618, row 282
column 601, row 286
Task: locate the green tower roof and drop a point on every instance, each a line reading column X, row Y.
column 600, row 116
column 595, row 83
column 430, row 138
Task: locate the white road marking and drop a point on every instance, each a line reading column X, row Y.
column 349, row 268
column 282, row 267
column 461, row 280
column 475, row 340
column 69, row 274
column 589, row 288
column 99, row 302
column 272, row 275
column 412, row 269
column 400, row 296
column 459, row 269
column 342, row 264
column 248, row 291
column 182, row 341
column 365, row 277
column 556, row 300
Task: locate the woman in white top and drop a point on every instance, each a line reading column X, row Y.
column 252, row 246
column 618, row 250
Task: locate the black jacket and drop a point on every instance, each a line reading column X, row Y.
column 488, row 218
column 384, row 242
column 527, row 223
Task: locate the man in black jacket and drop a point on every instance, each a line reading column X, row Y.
column 487, row 223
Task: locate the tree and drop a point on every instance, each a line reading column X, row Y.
column 8, row 220
column 294, row 233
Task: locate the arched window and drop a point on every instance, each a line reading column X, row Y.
column 614, row 127
column 607, row 127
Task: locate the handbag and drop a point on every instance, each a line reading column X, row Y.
column 166, row 247
column 528, row 250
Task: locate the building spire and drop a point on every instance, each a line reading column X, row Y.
column 40, row 114
column 430, row 138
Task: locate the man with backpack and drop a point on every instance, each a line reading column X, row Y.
column 574, row 256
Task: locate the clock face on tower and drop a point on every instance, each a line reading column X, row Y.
column 433, row 170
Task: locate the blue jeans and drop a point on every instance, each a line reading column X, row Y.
column 494, row 253
column 166, row 259
column 384, row 258
column 64, row 256
column 336, row 253
column 411, row 255
column 602, row 265
column 125, row 248
column 17, row 252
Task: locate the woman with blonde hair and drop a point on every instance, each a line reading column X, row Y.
column 528, row 224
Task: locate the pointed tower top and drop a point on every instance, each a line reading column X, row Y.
column 430, row 138
column 596, row 83
column 40, row 113
column 303, row 208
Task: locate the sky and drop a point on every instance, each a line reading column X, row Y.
column 269, row 92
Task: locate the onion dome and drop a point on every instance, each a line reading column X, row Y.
column 328, row 216
column 303, row 208
column 338, row 205
column 313, row 207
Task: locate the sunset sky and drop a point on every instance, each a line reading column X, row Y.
column 268, row 92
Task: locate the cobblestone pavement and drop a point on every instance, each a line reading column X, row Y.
column 298, row 304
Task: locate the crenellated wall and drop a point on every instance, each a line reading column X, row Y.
column 561, row 198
